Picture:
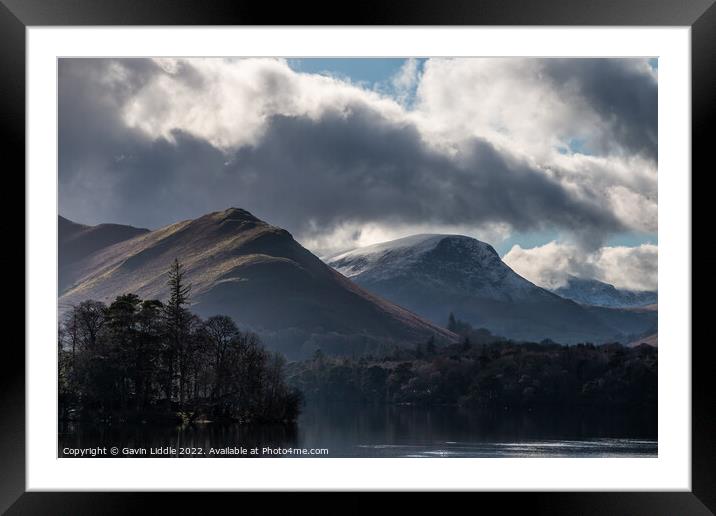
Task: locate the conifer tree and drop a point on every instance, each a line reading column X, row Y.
column 177, row 320
column 452, row 323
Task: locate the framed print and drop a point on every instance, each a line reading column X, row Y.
column 416, row 250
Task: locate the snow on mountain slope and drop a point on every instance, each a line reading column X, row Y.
column 402, row 252
column 434, row 275
column 456, row 261
column 597, row 293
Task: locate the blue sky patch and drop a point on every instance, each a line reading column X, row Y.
column 369, row 72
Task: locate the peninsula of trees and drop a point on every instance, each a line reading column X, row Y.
column 144, row 360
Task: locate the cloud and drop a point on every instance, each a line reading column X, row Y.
column 350, row 235
column 621, row 93
column 481, row 147
column 550, row 265
column 93, row 139
column 234, row 99
column 406, row 80
column 609, row 106
column 361, row 167
column 591, row 124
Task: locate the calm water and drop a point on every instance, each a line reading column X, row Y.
column 389, row 431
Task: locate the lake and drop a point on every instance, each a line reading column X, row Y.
column 356, row 430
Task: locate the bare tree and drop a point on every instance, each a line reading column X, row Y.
column 220, row 331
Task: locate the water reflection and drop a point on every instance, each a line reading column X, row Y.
column 393, row 431
column 142, row 438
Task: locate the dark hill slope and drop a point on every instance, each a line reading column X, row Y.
column 258, row 274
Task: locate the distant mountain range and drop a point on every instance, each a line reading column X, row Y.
column 243, row 267
column 398, row 292
column 597, row 293
column 435, row 275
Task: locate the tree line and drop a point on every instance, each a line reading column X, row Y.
column 496, row 374
column 141, row 359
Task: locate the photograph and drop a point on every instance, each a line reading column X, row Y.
column 344, row 257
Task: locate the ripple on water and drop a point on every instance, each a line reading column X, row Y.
column 605, row 447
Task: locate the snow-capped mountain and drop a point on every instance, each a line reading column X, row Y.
column 456, row 262
column 434, row 275
column 597, row 293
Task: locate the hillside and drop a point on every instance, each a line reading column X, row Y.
column 77, row 241
column 435, row 275
column 597, row 293
column 258, row 274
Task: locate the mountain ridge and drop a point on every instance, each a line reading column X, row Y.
column 598, row 293
column 434, row 275
column 257, row 273
column 75, row 241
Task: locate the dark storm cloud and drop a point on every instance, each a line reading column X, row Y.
column 91, row 136
column 625, row 98
column 307, row 175
column 365, row 169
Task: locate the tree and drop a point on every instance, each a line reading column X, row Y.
column 452, row 323
column 430, row 346
column 177, row 320
column 117, row 361
column 65, row 369
column 148, row 351
column 419, row 350
column 220, row 330
column 122, row 337
column 318, row 357
column 90, row 318
column 178, row 291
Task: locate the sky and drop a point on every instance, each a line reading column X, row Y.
column 552, row 161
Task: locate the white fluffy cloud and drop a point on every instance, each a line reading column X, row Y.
column 508, row 101
column 406, row 80
column 624, row 267
column 539, row 106
column 530, row 109
column 228, row 102
column 482, row 147
column 351, row 235
column 561, row 115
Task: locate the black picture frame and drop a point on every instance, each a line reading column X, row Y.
column 16, row 15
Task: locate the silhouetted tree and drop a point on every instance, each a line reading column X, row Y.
column 148, row 351
column 220, row 330
column 497, row 375
column 134, row 357
column 430, row 346
column 452, row 323
column 177, row 319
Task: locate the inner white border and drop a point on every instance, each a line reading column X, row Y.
column 671, row 470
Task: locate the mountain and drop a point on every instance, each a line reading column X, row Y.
column 256, row 273
column 597, row 293
column 651, row 340
column 434, row 275
column 76, row 241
